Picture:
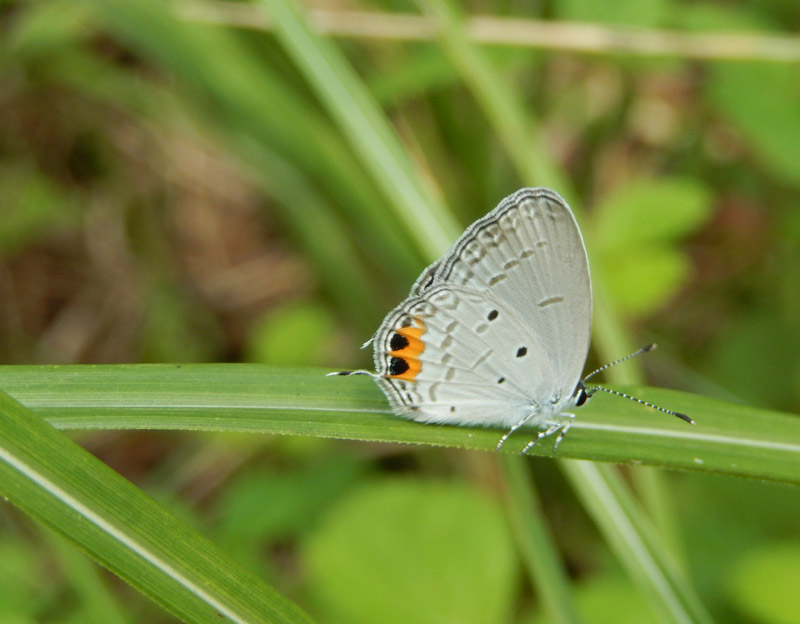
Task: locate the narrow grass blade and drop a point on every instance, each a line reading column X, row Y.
column 65, row 487
column 517, row 131
column 254, row 106
column 536, row 545
column 361, row 120
column 635, row 542
column 501, row 105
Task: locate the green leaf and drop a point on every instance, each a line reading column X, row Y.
column 176, row 325
column 635, row 234
column 293, row 151
column 599, row 599
column 644, row 212
column 32, row 206
column 643, row 279
column 294, row 334
column 97, row 605
column 763, row 583
column 516, row 129
column 728, row 438
column 18, row 595
column 260, row 507
column 746, row 94
column 754, row 355
column 60, row 484
column 404, row 551
column 536, row 545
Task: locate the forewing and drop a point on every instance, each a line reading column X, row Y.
column 529, row 253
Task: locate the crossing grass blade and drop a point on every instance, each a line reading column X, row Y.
column 60, row 484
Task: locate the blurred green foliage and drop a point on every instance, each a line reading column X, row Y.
column 763, row 582
column 177, row 191
column 402, row 551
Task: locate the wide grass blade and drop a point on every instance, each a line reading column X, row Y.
column 728, row 438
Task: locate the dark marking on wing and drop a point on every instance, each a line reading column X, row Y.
column 550, row 301
column 398, row 342
column 397, row 366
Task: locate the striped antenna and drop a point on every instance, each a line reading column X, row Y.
column 593, row 389
column 644, row 349
column 590, row 391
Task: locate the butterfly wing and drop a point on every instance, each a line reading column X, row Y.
column 459, row 355
column 528, row 252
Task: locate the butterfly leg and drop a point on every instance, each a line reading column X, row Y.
column 552, row 428
column 566, row 423
column 514, row 427
column 563, row 424
column 542, row 434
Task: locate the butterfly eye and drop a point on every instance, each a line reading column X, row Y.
column 581, row 394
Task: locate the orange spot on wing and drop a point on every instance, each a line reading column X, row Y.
column 411, row 352
column 415, row 346
column 414, row 366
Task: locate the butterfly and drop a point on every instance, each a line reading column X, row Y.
column 497, row 331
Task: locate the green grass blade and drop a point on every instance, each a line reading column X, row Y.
column 633, row 539
column 352, row 106
column 536, row 545
column 254, row 106
column 65, row 487
column 501, row 105
column 728, row 438
column 656, row 492
column 517, row 130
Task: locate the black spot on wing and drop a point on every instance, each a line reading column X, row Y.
column 398, row 342
column 397, row 366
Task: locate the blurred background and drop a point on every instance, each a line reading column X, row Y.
column 174, row 188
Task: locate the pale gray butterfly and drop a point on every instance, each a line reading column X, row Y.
column 497, row 331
